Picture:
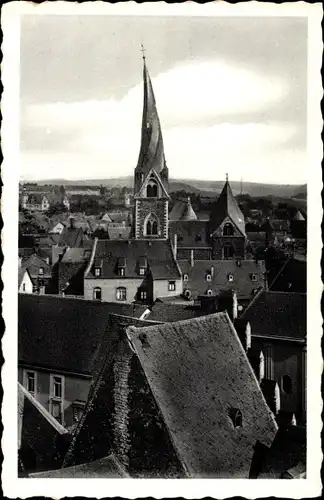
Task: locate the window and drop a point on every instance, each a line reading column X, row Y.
column 41, row 270
column 97, row 293
column 77, row 410
column 172, row 286
column 228, row 229
column 142, row 271
column 97, row 271
column 236, row 417
column 286, row 384
column 228, row 252
column 30, row 382
column 151, row 228
column 253, row 277
column 143, row 295
column 56, row 410
column 152, row 189
column 24, row 287
column 57, row 387
column 121, row 293
column 230, row 277
column 208, row 277
column 121, row 271
column 185, row 277
column 209, row 292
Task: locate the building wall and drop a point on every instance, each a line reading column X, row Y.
column 238, row 243
column 109, row 286
column 75, row 388
column 145, row 206
column 161, row 288
column 286, row 359
column 198, row 253
column 28, row 284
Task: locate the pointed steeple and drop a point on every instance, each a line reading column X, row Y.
column 299, row 216
column 189, row 213
column 226, row 206
column 152, row 151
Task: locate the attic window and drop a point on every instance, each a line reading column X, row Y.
column 253, row 277
column 238, row 263
column 97, row 271
column 228, row 230
column 142, row 271
column 208, row 277
column 230, row 277
column 198, row 237
column 209, row 292
column 41, row 270
column 236, row 417
column 185, row 277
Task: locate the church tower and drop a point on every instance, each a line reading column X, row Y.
column 151, row 177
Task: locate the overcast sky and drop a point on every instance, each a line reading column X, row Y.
column 231, row 95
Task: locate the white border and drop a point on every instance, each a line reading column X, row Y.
column 130, row 488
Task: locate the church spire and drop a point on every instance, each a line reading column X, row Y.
column 152, row 151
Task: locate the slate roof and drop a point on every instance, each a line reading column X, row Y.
column 182, row 211
column 277, row 314
column 34, row 263
column 107, row 467
column 158, row 254
column 226, row 206
column 119, row 233
column 291, row 278
column 190, row 233
column 166, row 312
column 76, row 255
column 242, row 283
column 205, row 374
column 63, row 333
column 71, row 237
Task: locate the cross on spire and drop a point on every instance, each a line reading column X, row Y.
column 143, row 51
column 226, row 177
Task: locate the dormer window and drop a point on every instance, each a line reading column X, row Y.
column 236, row 417
column 253, row 277
column 142, row 271
column 41, row 271
column 228, row 229
column 121, row 266
column 230, row 277
column 142, row 266
column 209, row 292
column 97, row 271
column 121, row 271
column 208, row 277
column 185, row 277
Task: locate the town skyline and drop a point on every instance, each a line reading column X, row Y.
column 222, row 106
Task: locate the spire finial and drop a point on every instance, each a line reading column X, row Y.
column 226, row 177
column 143, row 52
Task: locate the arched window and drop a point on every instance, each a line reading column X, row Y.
column 152, row 189
column 286, row 384
column 236, row 417
column 97, row 293
column 151, row 226
column 228, row 229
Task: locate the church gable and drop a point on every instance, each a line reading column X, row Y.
column 227, row 228
column 152, row 187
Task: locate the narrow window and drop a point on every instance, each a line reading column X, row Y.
column 185, row 277
column 236, row 417
column 286, row 384
column 57, row 387
column 154, row 228
column 253, row 277
column 121, row 293
column 209, row 292
column 230, row 277
column 97, row 271
column 228, row 252
column 31, row 382
column 41, row 270
column 121, row 271
column 142, row 271
column 97, row 293
column 208, row 277
column 143, row 295
column 24, row 287
column 148, row 228
column 228, row 230
column 172, row 286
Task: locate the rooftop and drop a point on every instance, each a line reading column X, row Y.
column 107, row 467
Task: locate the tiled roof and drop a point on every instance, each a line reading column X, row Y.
column 277, row 314
column 204, row 375
column 76, row 255
column 291, row 278
column 107, row 467
column 226, row 206
column 158, row 254
column 71, row 237
column 166, row 312
column 119, row 233
column 182, row 211
column 63, row 333
column 219, row 279
column 190, row 233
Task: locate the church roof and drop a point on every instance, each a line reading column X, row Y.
column 183, row 211
column 226, row 206
column 197, row 410
column 299, row 216
column 152, row 151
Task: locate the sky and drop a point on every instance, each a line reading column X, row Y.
column 231, row 94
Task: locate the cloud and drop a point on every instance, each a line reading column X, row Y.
column 198, row 105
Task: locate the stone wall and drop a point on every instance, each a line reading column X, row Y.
column 145, row 206
column 237, row 242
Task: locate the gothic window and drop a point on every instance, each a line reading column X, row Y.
column 154, row 227
column 121, row 293
column 228, row 252
column 152, row 189
column 228, row 230
column 236, row 417
column 97, row 293
column 151, row 226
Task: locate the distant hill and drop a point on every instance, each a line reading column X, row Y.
column 206, row 188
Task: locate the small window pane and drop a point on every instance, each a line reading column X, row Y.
column 57, row 387
column 172, row 286
column 31, row 382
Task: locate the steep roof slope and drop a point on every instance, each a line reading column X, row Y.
column 278, row 314
column 107, row 467
column 205, row 375
column 226, row 206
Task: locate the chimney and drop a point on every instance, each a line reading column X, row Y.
column 246, row 337
column 192, row 262
column 175, row 246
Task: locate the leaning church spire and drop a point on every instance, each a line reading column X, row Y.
column 151, row 153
